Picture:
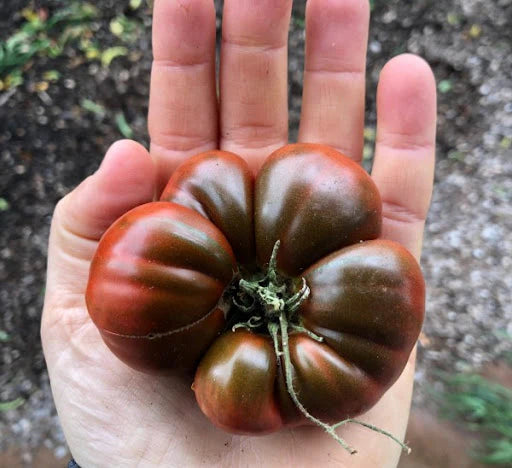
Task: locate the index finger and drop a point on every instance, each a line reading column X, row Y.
column 182, row 116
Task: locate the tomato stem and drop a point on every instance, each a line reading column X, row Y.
column 301, row 329
column 283, row 325
column 329, row 428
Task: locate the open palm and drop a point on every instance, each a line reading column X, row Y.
column 115, row 416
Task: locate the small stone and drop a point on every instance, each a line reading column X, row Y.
column 69, row 83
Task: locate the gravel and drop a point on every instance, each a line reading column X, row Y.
column 49, row 142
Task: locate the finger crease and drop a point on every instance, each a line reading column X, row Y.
column 400, row 213
column 171, row 64
column 342, row 73
column 176, row 142
column 254, row 46
column 403, row 141
column 191, row 149
column 254, row 136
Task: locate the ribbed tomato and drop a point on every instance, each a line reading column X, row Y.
column 275, row 290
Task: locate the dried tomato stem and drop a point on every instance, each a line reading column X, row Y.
column 405, row 447
column 330, row 429
column 289, row 385
column 273, row 329
column 301, row 329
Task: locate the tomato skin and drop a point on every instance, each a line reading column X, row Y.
column 158, row 269
column 315, row 201
column 234, row 383
column 220, row 186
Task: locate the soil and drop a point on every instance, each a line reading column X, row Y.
column 49, row 143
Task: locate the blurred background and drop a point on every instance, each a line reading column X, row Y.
column 74, row 77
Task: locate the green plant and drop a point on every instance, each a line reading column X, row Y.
column 125, row 28
column 41, row 36
column 486, row 408
column 11, row 405
column 123, row 125
column 445, row 86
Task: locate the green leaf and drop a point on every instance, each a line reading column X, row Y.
column 123, row 126
column 486, row 408
column 300, row 23
column 125, row 28
column 111, row 53
column 93, row 107
column 135, row 4
column 367, row 152
column 444, row 86
column 4, row 204
column 10, row 405
column 37, row 36
column 452, row 19
column 51, row 75
column 505, row 142
column 14, row 79
column 116, row 27
column 369, row 134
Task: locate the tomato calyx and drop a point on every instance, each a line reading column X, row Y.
column 269, row 296
column 268, row 299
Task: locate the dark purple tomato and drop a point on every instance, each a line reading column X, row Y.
column 242, row 280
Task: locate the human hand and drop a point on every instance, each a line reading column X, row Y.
column 115, row 416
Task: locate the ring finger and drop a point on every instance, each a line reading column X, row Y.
column 334, row 74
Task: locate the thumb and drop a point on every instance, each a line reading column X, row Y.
column 125, row 179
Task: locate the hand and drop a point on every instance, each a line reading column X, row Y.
column 115, row 416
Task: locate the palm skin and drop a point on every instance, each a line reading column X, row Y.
column 115, row 416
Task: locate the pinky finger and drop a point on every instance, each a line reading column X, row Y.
column 405, row 150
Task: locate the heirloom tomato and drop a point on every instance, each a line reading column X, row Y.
column 275, row 290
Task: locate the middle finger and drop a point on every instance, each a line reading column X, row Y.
column 253, row 77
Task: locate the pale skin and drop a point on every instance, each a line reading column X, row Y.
column 115, row 416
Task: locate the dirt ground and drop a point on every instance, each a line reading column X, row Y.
column 50, row 140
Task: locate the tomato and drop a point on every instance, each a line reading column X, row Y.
column 275, row 290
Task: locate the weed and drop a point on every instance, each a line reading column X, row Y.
column 123, row 126
column 445, row 86
column 111, row 53
column 94, row 107
column 41, row 36
column 48, row 36
column 11, row 405
column 486, row 408
column 4, row 206
column 125, row 28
